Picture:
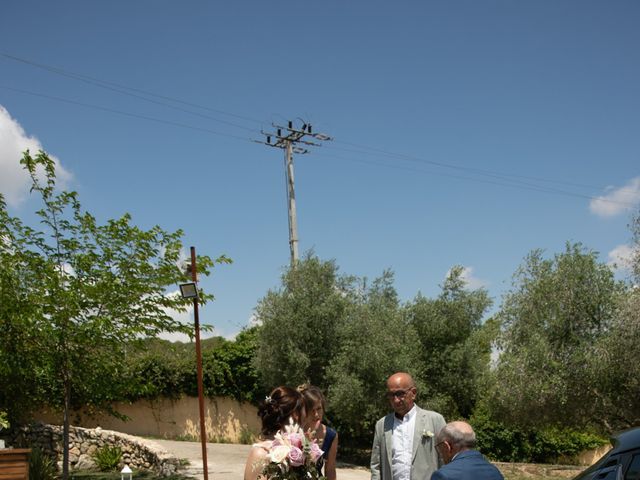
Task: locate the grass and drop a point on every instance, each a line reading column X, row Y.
column 137, row 475
column 538, row 471
column 348, row 457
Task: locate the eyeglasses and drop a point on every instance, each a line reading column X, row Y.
column 398, row 393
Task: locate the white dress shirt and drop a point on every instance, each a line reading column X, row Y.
column 401, row 454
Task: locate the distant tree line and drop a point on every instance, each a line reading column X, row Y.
column 550, row 373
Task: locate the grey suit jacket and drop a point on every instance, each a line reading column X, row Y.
column 425, row 459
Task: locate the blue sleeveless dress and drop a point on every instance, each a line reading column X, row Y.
column 326, row 445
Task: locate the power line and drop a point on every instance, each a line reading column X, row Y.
column 518, row 185
column 479, row 171
column 123, row 89
column 127, row 114
column 516, row 181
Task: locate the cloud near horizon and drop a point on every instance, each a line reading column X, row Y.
column 186, row 318
column 14, row 180
column 621, row 258
column 617, row 200
column 472, row 282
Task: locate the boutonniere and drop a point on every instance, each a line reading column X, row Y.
column 427, row 434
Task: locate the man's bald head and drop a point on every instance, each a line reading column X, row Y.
column 401, row 392
column 454, row 437
column 400, row 380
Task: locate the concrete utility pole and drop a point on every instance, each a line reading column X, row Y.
column 288, row 138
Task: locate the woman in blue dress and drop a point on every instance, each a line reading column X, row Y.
column 327, row 437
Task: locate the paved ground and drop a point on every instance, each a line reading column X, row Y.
column 226, row 461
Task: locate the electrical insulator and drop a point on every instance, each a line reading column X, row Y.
column 279, row 132
column 268, row 138
column 309, row 127
column 290, row 124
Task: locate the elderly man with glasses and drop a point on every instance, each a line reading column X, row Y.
column 404, row 441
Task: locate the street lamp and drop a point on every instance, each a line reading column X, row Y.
column 190, row 290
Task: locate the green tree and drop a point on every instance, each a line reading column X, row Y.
column 77, row 291
column 456, row 346
column 299, row 323
column 615, row 366
column 374, row 342
column 556, row 312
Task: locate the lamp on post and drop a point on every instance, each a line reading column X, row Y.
column 126, row 473
column 190, row 290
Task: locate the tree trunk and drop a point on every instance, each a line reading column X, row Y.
column 65, row 430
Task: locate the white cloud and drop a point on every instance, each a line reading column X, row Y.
column 471, row 281
column 14, row 181
column 254, row 321
column 617, row 200
column 182, row 317
column 621, row 257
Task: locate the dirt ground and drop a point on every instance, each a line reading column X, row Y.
column 226, row 462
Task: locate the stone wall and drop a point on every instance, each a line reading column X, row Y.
column 138, row 453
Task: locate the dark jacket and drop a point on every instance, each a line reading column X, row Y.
column 468, row 465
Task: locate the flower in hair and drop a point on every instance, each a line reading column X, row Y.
column 268, row 399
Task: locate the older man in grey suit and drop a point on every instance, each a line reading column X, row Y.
column 404, row 441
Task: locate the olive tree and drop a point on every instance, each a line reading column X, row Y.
column 373, row 342
column 299, row 323
column 455, row 344
column 615, row 365
column 552, row 319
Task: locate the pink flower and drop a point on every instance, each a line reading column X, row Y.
column 315, row 452
column 296, row 439
column 276, row 441
column 296, row 457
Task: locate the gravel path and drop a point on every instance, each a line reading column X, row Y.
column 226, row 461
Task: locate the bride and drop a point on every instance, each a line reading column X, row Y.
column 282, row 404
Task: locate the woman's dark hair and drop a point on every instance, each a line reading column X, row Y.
column 278, row 407
column 312, row 395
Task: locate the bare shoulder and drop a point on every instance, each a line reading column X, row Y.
column 259, row 450
column 256, row 460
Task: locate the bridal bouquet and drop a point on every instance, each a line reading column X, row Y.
column 292, row 456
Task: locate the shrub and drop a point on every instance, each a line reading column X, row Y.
column 108, row 458
column 41, row 466
column 246, row 436
column 501, row 442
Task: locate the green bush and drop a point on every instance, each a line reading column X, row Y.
column 557, row 444
column 41, row 466
column 501, row 442
column 108, row 458
column 246, row 436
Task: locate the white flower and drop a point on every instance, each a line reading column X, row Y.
column 427, row 434
column 279, row 453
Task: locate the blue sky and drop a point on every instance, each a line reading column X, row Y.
column 466, row 132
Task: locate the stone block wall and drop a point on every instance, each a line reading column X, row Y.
column 138, row 453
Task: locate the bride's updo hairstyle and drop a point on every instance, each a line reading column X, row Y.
column 277, row 407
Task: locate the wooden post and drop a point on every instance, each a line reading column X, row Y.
column 203, row 433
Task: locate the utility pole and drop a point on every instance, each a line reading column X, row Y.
column 289, row 138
